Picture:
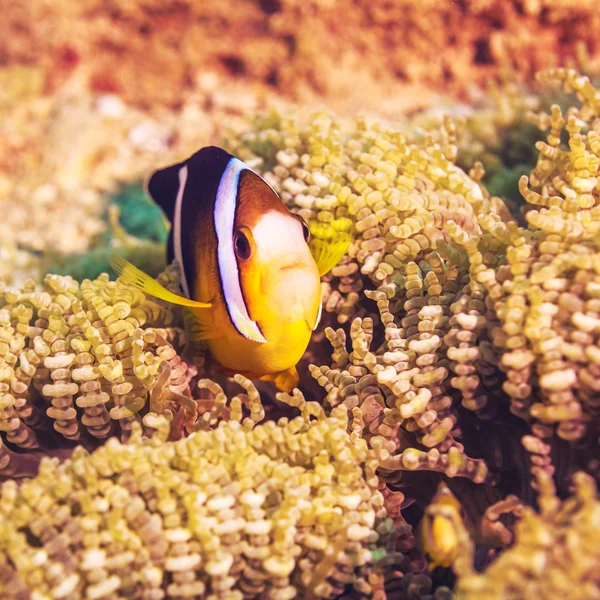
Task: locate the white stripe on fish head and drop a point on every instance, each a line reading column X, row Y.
column 225, row 209
column 183, row 174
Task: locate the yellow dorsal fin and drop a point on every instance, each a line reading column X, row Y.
column 329, row 242
column 131, row 275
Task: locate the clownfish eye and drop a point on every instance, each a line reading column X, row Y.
column 241, row 245
column 305, row 230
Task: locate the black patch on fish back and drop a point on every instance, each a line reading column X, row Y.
column 205, row 166
column 205, row 170
column 162, row 187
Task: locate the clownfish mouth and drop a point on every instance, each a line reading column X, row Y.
column 297, row 264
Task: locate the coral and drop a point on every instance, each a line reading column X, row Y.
column 475, row 311
column 555, row 553
column 407, row 200
column 492, row 127
column 497, row 132
column 545, row 295
column 285, row 510
column 399, row 194
column 83, row 360
column 403, row 390
column 460, row 286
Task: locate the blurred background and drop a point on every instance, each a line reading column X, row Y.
column 95, row 94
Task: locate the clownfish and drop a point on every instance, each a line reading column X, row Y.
column 440, row 528
column 250, row 272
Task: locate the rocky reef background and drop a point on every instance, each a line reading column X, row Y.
column 449, row 401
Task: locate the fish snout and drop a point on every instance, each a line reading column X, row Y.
column 288, row 268
column 294, row 262
column 293, row 289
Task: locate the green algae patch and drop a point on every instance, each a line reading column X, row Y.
column 139, row 215
column 136, row 230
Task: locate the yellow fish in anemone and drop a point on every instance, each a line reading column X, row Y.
column 441, row 527
column 250, row 270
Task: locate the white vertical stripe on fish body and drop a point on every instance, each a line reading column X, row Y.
column 183, row 174
column 318, row 315
column 225, row 209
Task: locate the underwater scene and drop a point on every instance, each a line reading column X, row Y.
column 299, row 299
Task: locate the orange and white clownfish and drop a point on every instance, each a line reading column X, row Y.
column 251, row 282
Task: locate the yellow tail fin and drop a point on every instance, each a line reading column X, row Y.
column 131, row 275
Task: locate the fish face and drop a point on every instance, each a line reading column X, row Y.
column 280, row 276
column 281, row 288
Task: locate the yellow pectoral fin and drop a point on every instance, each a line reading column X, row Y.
column 133, row 276
column 200, row 326
column 329, row 243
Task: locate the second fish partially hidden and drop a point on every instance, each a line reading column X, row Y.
column 250, row 273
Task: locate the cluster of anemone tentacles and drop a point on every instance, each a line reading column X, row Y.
column 555, row 553
column 466, row 331
column 83, row 362
column 277, row 510
column 467, row 287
